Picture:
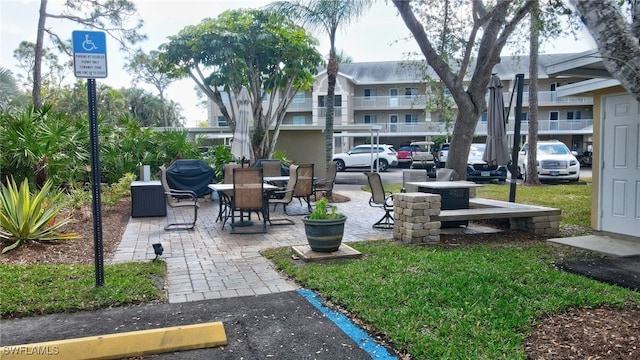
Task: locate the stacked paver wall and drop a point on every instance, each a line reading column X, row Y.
column 412, row 213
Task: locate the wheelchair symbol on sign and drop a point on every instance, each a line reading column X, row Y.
column 88, row 44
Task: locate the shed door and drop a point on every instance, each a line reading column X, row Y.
column 620, row 190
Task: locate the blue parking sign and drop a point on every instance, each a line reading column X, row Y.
column 89, row 54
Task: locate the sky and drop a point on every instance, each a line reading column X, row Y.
column 380, row 35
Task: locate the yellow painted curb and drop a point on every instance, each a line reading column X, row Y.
column 134, row 343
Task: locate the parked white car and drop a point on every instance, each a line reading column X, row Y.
column 442, row 155
column 554, row 159
column 362, row 156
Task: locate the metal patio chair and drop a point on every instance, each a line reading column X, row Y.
column 380, row 199
column 177, row 199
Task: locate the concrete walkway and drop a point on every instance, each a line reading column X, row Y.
column 210, row 263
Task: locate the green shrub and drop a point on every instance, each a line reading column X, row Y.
column 122, row 189
column 221, row 155
column 25, row 217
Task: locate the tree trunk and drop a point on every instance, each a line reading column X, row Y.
column 617, row 45
column 463, row 128
column 36, row 92
column 532, row 138
column 332, row 72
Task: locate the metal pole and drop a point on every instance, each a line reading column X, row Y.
column 95, row 183
column 516, row 137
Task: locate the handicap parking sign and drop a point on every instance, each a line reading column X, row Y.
column 89, row 54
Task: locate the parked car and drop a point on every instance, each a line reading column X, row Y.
column 441, row 156
column 554, row 160
column 363, row 156
column 405, row 154
column 480, row 170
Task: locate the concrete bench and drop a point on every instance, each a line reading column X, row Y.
column 535, row 219
column 418, row 216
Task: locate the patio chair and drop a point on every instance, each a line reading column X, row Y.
column 228, row 172
column 177, row 199
column 248, row 196
column 271, row 168
column 304, row 184
column 284, row 197
column 413, row 175
column 225, row 196
column 380, row 199
column 325, row 186
column 445, row 174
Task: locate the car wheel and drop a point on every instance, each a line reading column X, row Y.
column 519, row 174
column 340, row 165
column 383, row 165
column 523, row 173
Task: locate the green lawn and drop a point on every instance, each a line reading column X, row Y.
column 27, row 290
column 468, row 302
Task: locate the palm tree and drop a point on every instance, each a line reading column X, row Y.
column 327, row 16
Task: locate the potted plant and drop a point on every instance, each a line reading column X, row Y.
column 324, row 229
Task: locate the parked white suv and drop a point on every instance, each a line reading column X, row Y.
column 554, row 159
column 362, row 156
column 442, row 155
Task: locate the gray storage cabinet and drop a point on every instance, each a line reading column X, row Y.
column 147, row 199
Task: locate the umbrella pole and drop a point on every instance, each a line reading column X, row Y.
column 516, row 138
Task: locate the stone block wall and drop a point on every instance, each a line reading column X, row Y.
column 539, row 225
column 412, row 214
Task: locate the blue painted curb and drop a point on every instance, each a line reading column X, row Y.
column 361, row 337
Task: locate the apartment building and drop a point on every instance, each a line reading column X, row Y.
column 392, row 97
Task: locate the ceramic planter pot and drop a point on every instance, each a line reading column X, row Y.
column 324, row 235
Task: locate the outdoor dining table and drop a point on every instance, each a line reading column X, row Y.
column 454, row 195
column 225, row 191
column 275, row 179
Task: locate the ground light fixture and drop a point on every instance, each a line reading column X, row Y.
column 158, row 249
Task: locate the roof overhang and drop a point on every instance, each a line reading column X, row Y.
column 587, row 64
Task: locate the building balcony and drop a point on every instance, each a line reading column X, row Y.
column 389, row 102
column 545, row 126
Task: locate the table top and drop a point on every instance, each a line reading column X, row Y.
column 227, row 187
column 276, row 178
column 444, row 184
column 144, row 183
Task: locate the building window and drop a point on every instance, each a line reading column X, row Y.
column 370, row 119
column 524, row 117
column 299, row 120
column 574, row 115
column 222, row 121
column 299, row 98
column 336, row 103
column 410, row 93
column 411, row 119
column 370, row 94
column 483, row 117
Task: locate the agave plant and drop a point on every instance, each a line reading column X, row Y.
column 25, row 217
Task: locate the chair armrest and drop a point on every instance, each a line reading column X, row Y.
column 280, row 192
column 182, row 193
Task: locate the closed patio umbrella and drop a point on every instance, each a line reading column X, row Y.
column 497, row 149
column 240, row 147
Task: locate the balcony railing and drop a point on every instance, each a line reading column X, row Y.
column 300, row 105
column 389, row 102
column 544, row 126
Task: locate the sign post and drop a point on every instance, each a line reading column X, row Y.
column 90, row 62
